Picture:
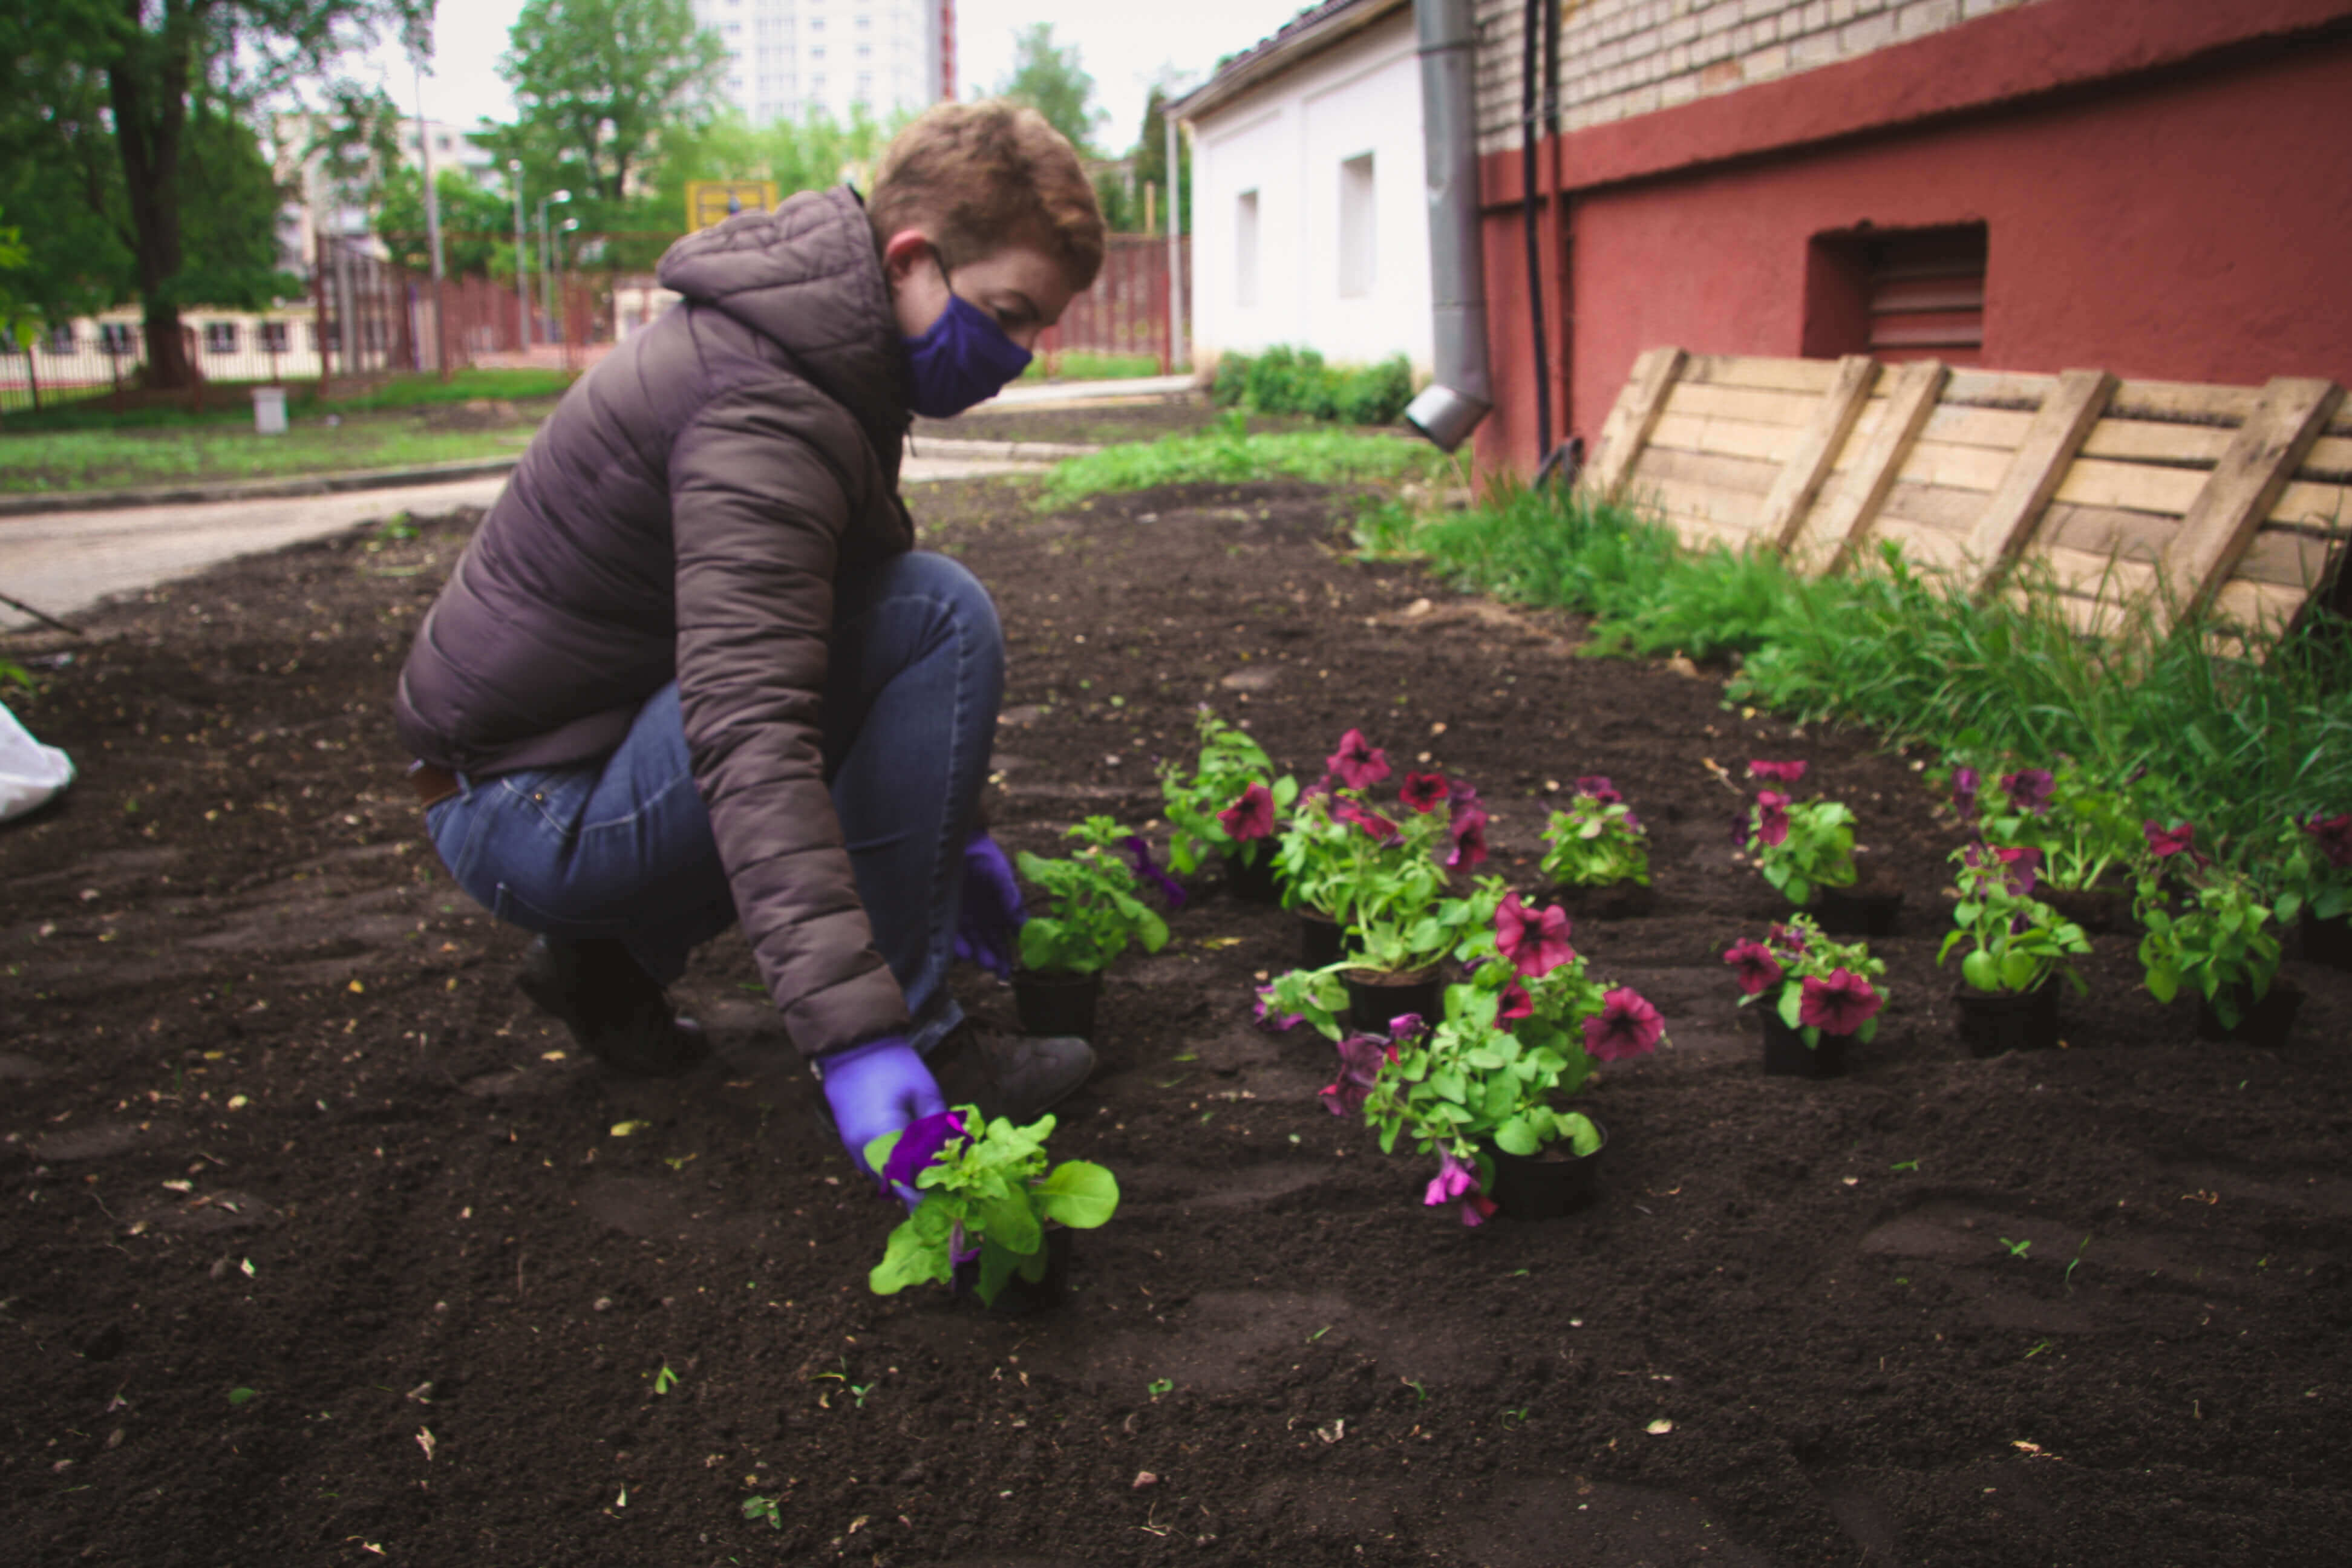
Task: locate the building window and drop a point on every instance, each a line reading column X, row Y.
column 274, row 336
column 114, row 338
column 1356, row 229
column 220, row 337
column 1245, row 251
column 62, row 340
column 1897, row 295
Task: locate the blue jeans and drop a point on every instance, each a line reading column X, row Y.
column 621, row 846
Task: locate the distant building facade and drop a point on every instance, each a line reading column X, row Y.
column 787, row 57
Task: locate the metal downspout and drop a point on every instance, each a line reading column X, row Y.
column 1450, row 407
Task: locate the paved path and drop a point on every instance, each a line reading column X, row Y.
column 63, row 563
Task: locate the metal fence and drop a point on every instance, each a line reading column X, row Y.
column 1128, row 310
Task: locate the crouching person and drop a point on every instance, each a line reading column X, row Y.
column 690, row 670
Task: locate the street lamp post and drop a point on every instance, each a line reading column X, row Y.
column 522, row 255
column 546, row 278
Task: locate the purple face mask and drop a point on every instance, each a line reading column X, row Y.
column 964, row 358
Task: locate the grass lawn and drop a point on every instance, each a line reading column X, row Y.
column 33, row 462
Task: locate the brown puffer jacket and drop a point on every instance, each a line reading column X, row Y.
column 685, row 513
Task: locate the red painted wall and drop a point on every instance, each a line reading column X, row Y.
column 2191, row 225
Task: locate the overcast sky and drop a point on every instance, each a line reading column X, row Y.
column 1124, row 47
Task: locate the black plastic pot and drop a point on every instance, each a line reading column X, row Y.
column 1056, row 1002
column 1252, row 882
column 2101, row 911
column 1865, row 910
column 1319, row 939
column 1993, row 1022
column 1021, row 1297
column 1613, row 901
column 1545, row 1186
column 2266, row 1023
column 1374, row 999
column 1785, row 1055
column 2327, row 942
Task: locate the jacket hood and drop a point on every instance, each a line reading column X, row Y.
column 807, row 276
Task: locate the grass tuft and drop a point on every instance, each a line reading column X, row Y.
column 1226, row 455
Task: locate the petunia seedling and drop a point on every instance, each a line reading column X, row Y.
column 1596, row 841
column 1815, row 985
column 2015, row 942
column 1800, row 846
column 1225, row 803
column 1092, row 911
column 985, row 1195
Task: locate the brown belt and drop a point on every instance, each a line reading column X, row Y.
column 433, row 786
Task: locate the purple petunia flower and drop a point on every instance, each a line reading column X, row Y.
column 920, row 1145
column 1358, row 763
column 1404, row 1027
column 1458, row 1180
column 1423, row 791
column 2166, row 842
column 1535, row 944
column 1625, row 1026
column 1250, row 816
column 1270, row 1020
column 1469, row 834
column 1462, row 796
column 1779, row 772
column 1596, row 786
column 1772, row 818
column 1139, row 855
column 1754, row 966
column 959, row 1252
column 1361, row 1057
column 1379, row 828
column 1788, row 939
column 1966, row 782
column 2334, row 836
column 1839, row 1004
column 2029, row 789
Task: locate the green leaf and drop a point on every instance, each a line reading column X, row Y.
column 1515, row 1137
column 877, row 1150
column 1007, row 1220
column 1792, row 1005
column 1982, row 970
column 1077, row 1194
column 908, row 1259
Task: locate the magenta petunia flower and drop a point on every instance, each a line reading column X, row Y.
column 1139, row 855
column 1966, row 782
column 1516, row 1003
column 2024, row 863
column 1469, row 834
column 1788, row 939
column 2166, row 842
column 1753, row 965
column 1270, row 1020
column 1404, row 1027
column 1625, row 1026
column 1596, row 786
column 1462, row 796
column 920, row 1145
column 1535, row 944
column 1423, row 791
column 1376, row 826
column 1358, row 763
column 2334, row 836
column 1361, row 1057
column 1772, row 818
column 2029, row 789
column 1779, row 772
column 1839, row 1004
column 1250, row 816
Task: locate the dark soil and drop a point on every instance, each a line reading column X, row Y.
column 275, row 1119
column 1097, row 421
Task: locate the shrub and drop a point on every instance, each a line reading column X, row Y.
column 1287, row 380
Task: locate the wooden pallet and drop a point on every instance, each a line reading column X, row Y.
column 2130, row 496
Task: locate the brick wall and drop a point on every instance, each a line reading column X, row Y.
column 1623, row 58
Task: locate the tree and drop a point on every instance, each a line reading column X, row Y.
column 1051, row 81
column 1151, row 162
column 598, row 82
column 476, row 225
column 166, row 84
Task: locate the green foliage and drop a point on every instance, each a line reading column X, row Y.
column 1092, row 910
column 990, row 1189
column 812, row 152
column 1091, row 367
column 2223, row 941
column 1229, row 762
column 1596, row 844
column 476, row 223
column 768, row 1508
column 2302, row 880
column 1804, row 954
column 1150, row 157
column 2087, row 828
column 1287, row 380
column 1226, row 455
column 1049, row 79
column 2015, row 942
column 597, row 83
column 1476, row 1078
column 1816, row 850
column 100, row 458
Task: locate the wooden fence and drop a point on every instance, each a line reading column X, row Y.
column 2165, row 493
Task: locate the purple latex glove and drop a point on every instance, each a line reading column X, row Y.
column 878, row 1087
column 988, row 929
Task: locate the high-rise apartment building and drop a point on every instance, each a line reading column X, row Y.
column 785, row 57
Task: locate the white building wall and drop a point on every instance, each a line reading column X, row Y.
column 1287, row 140
column 785, row 57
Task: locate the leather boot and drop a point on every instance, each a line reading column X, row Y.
column 614, row 1011
column 1017, row 1077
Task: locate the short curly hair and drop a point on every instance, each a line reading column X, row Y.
column 976, row 177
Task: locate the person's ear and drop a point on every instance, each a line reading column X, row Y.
column 904, row 252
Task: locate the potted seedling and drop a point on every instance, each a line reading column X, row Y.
column 1596, row 850
column 2082, row 832
column 1818, row 996
column 1477, row 1091
column 1805, row 848
column 991, row 1218
column 2311, row 881
column 2218, row 942
column 2017, row 949
column 1226, row 807
column 1092, row 913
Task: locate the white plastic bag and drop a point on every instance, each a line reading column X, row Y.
column 30, row 773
